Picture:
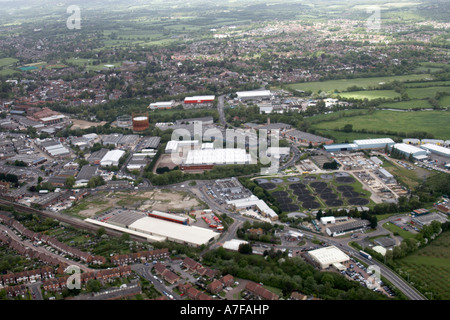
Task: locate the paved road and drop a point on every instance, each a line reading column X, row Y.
column 145, row 272
column 220, row 108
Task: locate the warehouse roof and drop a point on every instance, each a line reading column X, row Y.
column 435, row 148
column 348, row 226
column 328, row 255
column 87, row 172
column 113, row 155
column 150, row 143
column 407, row 148
column 252, row 94
column 174, row 231
column 374, row 141
column 253, row 201
column 307, row 136
column 217, row 156
column 113, row 138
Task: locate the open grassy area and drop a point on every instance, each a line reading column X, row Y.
column 402, row 233
column 4, row 62
column 444, row 101
column 429, row 267
column 428, row 92
column 406, row 105
column 411, row 178
column 343, row 84
column 433, row 122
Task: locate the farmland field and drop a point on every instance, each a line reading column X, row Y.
column 433, row 122
column 7, row 62
column 412, row 104
column 429, row 269
column 343, row 84
column 423, row 93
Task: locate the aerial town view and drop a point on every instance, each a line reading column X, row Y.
column 207, row 151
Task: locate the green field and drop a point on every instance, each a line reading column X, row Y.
column 370, row 94
column 423, row 93
column 406, row 105
column 411, row 178
column 7, row 62
column 433, row 122
column 402, row 233
column 343, row 84
column 444, row 101
column 429, row 267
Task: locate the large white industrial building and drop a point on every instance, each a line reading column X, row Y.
column 407, row 149
column 328, row 256
column 258, row 94
column 374, row 143
column 254, row 202
column 162, row 105
column 436, row 149
column 112, row 158
column 156, row 229
column 217, row 157
column 173, row 145
column 362, row 144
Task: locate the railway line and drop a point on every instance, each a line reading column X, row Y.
column 63, row 218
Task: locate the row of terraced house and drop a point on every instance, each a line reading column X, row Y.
column 140, row 257
column 106, row 275
column 26, row 276
column 58, row 245
column 29, row 252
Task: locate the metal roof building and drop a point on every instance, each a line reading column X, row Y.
column 328, row 256
column 162, row 105
column 199, row 99
column 111, row 158
column 180, row 233
column 86, row 173
column 340, row 147
column 217, row 156
column 254, row 201
column 436, row 149
column 407, row 149
column 256, row 94
column 374, row 143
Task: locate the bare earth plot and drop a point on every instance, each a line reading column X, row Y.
column 82, row 124
column 161, row 200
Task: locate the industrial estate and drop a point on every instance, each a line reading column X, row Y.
column 229, row 161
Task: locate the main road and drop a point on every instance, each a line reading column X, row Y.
column 343, row 244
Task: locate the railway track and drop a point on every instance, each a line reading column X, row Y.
column 62, row 218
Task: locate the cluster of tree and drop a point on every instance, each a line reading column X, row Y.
column 267, row 232
column 9, row 177
column 261, row 194
column 397, row 154
column 333, row 165
column 277, row 270
column 96, row 181
column 17, row 163
column 217, row 172
column 433, row 187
